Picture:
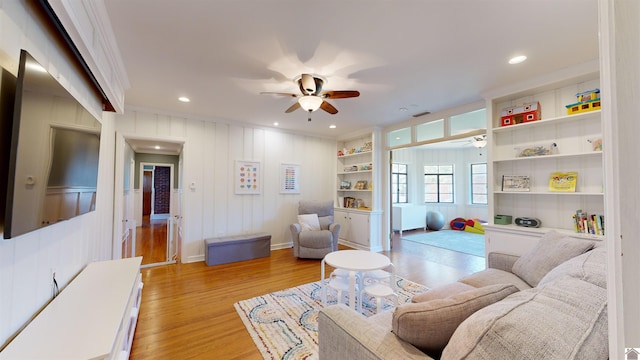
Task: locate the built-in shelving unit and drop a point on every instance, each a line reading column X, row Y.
column 355, row 180
column 572, row 138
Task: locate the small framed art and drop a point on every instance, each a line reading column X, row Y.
column 516, row 183
column 289, row 179
column 247, row 177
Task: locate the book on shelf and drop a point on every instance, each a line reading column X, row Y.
column 349, row 202
column 563, row 181
column 585, row 223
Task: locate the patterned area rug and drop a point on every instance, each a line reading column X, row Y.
column 284, row 324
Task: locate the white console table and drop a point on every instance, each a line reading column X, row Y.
column 94, row 317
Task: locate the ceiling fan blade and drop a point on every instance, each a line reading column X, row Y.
column 277, row 93
column 341, row 94
column 328, row 108
column 293, row 107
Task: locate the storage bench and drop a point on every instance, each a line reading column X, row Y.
column 227, row 249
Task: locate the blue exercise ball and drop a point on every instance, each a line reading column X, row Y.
column 435, row 220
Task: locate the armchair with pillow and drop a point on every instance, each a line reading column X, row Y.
column 315, row 235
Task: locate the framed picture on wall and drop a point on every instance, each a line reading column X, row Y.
column 248, row 177
column 289, row 179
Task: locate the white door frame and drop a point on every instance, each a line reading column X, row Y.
column 171, row 187
column 118, row 212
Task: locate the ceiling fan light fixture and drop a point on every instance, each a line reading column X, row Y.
column 479, row 143
column 310, row 102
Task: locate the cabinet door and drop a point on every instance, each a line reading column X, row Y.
column 342, row 218
column 359, row 229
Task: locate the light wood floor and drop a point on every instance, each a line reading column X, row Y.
column 187, row 309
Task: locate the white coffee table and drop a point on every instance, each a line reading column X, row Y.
column 356, row 261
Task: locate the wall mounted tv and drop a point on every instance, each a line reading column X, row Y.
column 53, row 164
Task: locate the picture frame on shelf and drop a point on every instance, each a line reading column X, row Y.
column 345, row 185
column 516, row 183
column 361, row 185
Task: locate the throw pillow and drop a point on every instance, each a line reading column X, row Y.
column 309, row 222
column 429, row 325
column 552, row 250
column 442, row 292
column 590, row 266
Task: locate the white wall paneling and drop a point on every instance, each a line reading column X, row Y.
column 209, row 153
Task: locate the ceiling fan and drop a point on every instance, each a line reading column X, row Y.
column 478, row 141
column 311, row 97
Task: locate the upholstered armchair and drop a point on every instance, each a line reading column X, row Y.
column 313, row 239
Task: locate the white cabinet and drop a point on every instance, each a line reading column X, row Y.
column 94, row 317
column 518, row 150
column 359, row 229
column 409, row 217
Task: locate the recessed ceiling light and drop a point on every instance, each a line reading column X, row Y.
column 517, row 59
column 332, row 126
column 184, row 99
column 276, row 123
column 157, row 147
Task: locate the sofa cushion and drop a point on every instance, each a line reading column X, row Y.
column 494, row 276
column 429, row 325
column 552, row 250
column 442, row 292
column 309, row 222
column 320, row 239
column 590, row 266
column 564, row 319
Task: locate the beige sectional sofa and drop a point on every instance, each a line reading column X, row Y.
column 550, row 303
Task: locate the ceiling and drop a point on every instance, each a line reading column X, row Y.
column 404, row 56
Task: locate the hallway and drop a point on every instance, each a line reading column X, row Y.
column 151, row 240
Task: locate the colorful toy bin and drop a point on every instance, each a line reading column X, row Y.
column 520, row 114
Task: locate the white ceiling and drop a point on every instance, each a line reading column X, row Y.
column 421, row 55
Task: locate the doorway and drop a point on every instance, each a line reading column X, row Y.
column 155, row 222
column 155, row 240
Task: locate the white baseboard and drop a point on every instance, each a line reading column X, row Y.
column 195, row 258
column 359, row 246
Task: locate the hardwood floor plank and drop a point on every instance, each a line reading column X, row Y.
column 187, row 309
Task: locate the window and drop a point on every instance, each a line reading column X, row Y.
column 399, row 183
column 479, row 183
column 438, row 183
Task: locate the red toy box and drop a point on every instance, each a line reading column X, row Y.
column 520, row 114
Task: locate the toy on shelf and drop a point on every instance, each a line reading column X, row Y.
column 587, row 101
column 520, row 114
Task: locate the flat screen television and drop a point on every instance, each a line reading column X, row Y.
column 53, row 161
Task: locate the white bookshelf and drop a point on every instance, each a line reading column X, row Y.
column 359, row 226
column 573, row 137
